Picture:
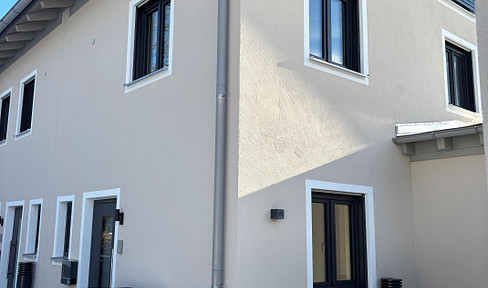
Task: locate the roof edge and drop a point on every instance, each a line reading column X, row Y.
column 13, row 14
column 439, row 134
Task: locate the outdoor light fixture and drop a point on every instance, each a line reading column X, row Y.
column 119, row 216
column 1, row 221
column 277, row 214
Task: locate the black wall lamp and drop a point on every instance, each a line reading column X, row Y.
column 1, row 221
column 277, row 214
column 119, row 216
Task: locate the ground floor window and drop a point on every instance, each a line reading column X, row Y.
column 338, row 241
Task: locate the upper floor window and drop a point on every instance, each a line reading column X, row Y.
column 26, row 105
column 334, row 32
column 4, row 112
column 150, row 42
column 460, row 77
column 466, row 4
column 152, row 37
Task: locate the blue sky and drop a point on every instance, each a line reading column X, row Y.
column 5, row 6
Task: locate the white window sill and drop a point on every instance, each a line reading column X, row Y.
column 336, row 70
column 30, row 257
column 58, row 260
column 458, row 9
column 463, row 112
column 147, row 79
column 23, row 134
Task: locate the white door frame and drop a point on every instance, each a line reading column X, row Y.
column 86, row 234
column 344, row 189
column 7, row 237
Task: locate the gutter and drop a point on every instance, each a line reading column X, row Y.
column 220, row 148
column 440, row 134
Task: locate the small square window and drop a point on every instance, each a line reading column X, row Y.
column 334, row 32
column 4, row 113
column 62, row 233
column 33, row 229
column 152, row 38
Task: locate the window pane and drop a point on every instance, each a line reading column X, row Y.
column 67, row 229
column 319, row 245
column 337, row 34
column 457, row 81
column 343, row 242
column 36, row 247
column 153, row 39
column 27, row 102
column 4, row 118
column 106, row 245
column 460, row 77
column 448, row 71
column 315, row 7
column 166, row 30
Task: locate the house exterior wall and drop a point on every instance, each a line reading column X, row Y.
column 288, row 123
column 155, row 143
column 482, row 28
column 298, row 123
column 450, row 211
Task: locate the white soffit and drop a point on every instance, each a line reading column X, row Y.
column 23, row 22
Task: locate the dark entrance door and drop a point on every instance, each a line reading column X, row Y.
column 102, row 243
column 339, row 246
column 14, row 247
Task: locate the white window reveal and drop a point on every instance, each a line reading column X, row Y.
column 150, row 42
column 63, row 229
column 33, row 229
column 25, row 114
column 461, row 76
column 336, row 38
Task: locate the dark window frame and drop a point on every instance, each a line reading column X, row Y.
column 465, row 80
column 38, row 229
column 358, row 239
column 468, row 5
column 67, row 229
column 5, row 102
column 141, row 65
column 351, row 33
column 26, row 115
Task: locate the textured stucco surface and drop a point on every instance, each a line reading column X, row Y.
column 298, row 123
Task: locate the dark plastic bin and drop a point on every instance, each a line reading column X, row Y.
column 25, row 275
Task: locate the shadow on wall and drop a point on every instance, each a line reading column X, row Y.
column 280, row 246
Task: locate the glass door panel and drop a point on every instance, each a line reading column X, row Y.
column 343, row 242
column 319, row 246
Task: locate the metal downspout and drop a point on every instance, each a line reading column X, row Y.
column 220, row 149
